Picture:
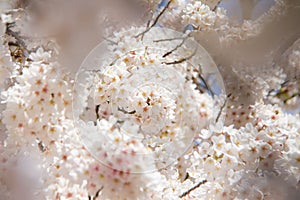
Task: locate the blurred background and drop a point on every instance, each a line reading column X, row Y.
column 78, row 25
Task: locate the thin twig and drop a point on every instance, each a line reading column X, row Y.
column 222, row 107
column 19, row 50
column 181, row 60
column 42, row 146
column 98, row 192
column 155, row 20
column 148, row 23
column 193, row 188
column 96, row 195
column 169, row 39
column 126, row 112
column 195, row 81
column 110, row 41
column 179, row 45
column 206, row 84
column 186, row 176
column 295, row 78
column 292, row 96
column 15, row 35
column 114, row 61
column 97, row 111
column 216, row 6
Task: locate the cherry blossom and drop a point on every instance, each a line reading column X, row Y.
column 182, row 103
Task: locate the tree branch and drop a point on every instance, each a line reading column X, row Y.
column 96, row 195
column 42, row 146
column 181, row 60
column 15, row 35
column 97, row 110
column 179, row 45
column 155, row 20
column 216, row 6
column 206, row 85
column 292, row 96
column 193, row 188
column 169, row 39
column 126, row 112
column 222, row 108
column 110, row 41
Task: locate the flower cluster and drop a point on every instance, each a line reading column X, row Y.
column 202, row 17
column 245, row 163
column 147, row 116
column 38, row 119
column 148, row 99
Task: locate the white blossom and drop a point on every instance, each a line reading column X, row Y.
column 148, row 117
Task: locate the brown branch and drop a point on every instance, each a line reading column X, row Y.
column 98, row 192
column 148, row 23
column 42, row 146
column 207, row 87
column 126, row 112
column 222, row 108
column 181, row 60
column 187, row 176
column 96, row 195
column 292, row 96
column 206, row 84
column 197, row 85
column 216, row 6
column 169, row 39
column 193, row 188
column 97, row 110
column 17, row 48
column 15, row 35
column 114, row 61
column 110, row 41
column 155, row 20
column 179, row 45
column 295, row 78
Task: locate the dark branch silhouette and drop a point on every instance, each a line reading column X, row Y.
column 155, row 20
column 222, row 108
column 179, row 45
column 193, row 188
column 181, row 60
column 126, row 112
